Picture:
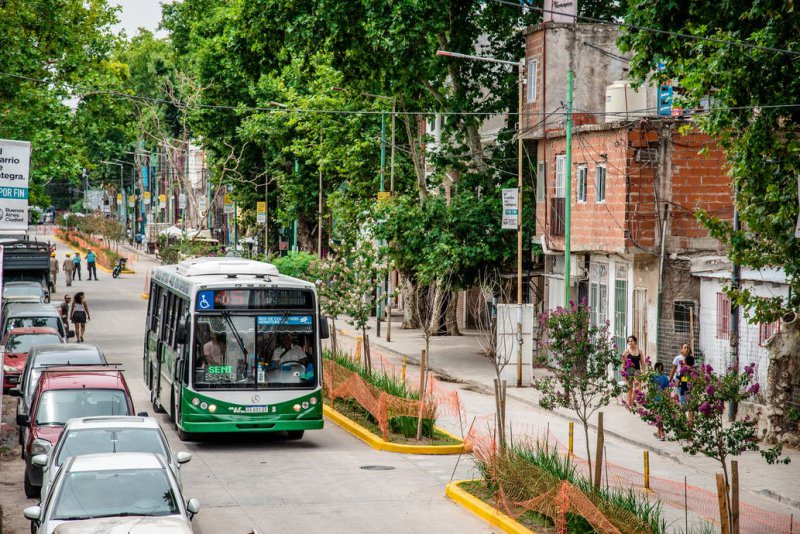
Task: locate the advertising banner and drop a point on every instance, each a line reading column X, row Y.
column 131, row 201
column 182, row 201
column 261, row 212
column 510, row 209
column 15, row 163
column 201, row 204
column 147, row 198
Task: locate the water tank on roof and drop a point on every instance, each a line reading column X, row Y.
column 624, row 101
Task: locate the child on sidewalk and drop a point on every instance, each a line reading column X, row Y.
column 660, row 381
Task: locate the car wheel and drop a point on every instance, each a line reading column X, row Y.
column 31, row 491
column 156, row 405
column 295, row 434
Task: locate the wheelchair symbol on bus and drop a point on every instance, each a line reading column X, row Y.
column 204, row 303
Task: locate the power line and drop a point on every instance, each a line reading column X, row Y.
column 651, row 30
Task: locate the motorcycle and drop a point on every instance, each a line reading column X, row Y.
column 119, row 266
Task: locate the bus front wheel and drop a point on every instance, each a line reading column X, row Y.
column 295, row 434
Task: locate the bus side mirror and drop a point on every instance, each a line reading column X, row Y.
column 182, row 332
column 324, row 333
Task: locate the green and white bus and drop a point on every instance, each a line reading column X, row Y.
column 231, row 345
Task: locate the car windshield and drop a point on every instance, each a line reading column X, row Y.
column 98, row 440
column 24, row 342
column 85, row 495
column 28, row 322
column 275, row 351
column 59, row 405
column 22, row 291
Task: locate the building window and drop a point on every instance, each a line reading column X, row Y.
column 532, row 74
column 766, row 331
column 684, row 316
column 541, row 169
column 723, row 316
column 561, row 165
column 598, row 293
column 582, row 172
column 600, row 182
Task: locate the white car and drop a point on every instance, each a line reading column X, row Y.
column 118, row 433
column 104, row 492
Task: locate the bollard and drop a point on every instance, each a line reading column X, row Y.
column 404, row 369
column 647, row 470
column 571, row 436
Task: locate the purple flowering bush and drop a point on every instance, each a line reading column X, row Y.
column 700, row 425
column 580, row 358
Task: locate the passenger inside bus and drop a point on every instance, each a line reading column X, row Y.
column 214, row 350
column 287, row 352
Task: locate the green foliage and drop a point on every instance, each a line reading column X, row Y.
column 171, row 250
column 751, row 90
column 296, row 264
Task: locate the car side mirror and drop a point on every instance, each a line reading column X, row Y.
column 13, row 379
column 182, row 332
column 142, row 414
column 192, row 506
column 23, row 420
column 324, row 332
column 15, row 392
column 34, row 513
column 183, row 457
column 40, row 460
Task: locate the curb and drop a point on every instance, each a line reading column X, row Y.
column 484, row 511
column 376, row 442
column 486, row 390
column 127, row 270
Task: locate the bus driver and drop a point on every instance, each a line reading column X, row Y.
column 288, row 352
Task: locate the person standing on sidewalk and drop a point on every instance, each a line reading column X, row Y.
column 68, row 267
column 77, row 264
column 91, row 266
column 632, row 360
column 53, row 271
column 63, row 308
column 677, row 363
column 79, row 315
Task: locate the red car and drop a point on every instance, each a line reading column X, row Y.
column 62, row 394
column 17, row 344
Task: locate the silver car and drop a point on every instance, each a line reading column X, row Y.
column 25, row 292
column 114, row 434
column 97, row 492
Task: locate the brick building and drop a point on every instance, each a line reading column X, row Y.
column 636, row 179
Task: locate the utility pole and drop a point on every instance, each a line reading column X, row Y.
column 521, row 77
column 266, row 217
column 379, row 301
column 319, row 208
column 736, row 279
column 568, row 194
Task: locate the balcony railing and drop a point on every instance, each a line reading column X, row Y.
column 557, row 216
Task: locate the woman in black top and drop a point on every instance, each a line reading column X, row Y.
column 632, row 360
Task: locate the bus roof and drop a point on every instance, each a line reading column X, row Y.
column 223, row 272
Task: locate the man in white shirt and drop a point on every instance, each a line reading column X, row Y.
column 288, row 352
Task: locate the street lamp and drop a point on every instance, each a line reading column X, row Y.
column 520, row 66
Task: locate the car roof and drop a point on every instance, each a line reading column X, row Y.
column 115, row 460
column 66, row 352
column 17, row 283
column 32, row 330
column 112, row 421
column 30, row 309
column 89, row 377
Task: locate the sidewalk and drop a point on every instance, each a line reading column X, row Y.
column 459, row 359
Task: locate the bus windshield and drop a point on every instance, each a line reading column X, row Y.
column 275, row 351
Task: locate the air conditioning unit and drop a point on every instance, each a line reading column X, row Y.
column 577, row 266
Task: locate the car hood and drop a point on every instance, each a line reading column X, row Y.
column 123, row 525
column 15, row 359
column 48, row 432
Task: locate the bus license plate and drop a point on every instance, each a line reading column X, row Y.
column 257, row 409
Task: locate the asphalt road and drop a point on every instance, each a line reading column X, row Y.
column 324, row 483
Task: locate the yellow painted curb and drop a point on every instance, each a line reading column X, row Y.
column 126, row 270
column 483, row 510
column 377, row 442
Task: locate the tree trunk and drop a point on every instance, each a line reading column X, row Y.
column 436, row 312
column 588, row 450
column 334, row 343
column 451, row 315
column 410, row 303
column 782, row 379
column 367, row 354
column 306, row 235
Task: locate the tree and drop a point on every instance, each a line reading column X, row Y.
column 749, row 75
column 580, row 358
column 699, row 425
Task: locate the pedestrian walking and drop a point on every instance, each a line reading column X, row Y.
column 660, row 381
column 632, row 358
column 91, row 266
column 677, row 363
column 685, row 384
column 76, row 261
column 68, row 267
column 79, row 315
column 63, row 308
column 53, row 271
column 138, row 240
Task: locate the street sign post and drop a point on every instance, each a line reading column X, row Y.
column 15, row 160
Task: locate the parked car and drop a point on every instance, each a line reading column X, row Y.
column 114, row 434
column 43, row 356
column 25, row 292
column 23, row 314
column 15, row 347
column 124, row 492
column 62, row 394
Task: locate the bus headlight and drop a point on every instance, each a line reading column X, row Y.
column 195, row 401
column 203, row 405
column 313, row 401
column 212, row 408
column 297, row 407
column 305, row 405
